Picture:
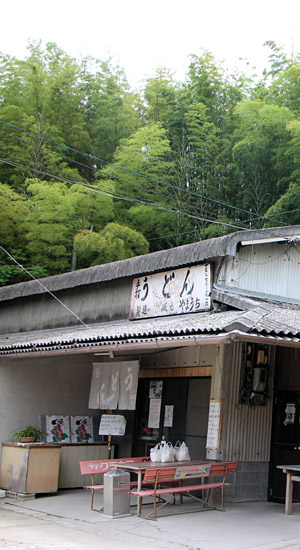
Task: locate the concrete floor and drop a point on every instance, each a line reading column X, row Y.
column 65, row 521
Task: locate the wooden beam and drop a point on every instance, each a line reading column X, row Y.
column 176, row 372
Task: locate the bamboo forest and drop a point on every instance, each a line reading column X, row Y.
column 93, row 171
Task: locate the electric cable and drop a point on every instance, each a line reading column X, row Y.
column 128, row 199
column 43, row 286
column 127, row 169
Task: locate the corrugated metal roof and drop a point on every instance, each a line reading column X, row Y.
column 149, row 263
column 266, row 319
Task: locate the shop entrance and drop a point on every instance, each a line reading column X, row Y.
column 179, row 413
column 285, row 446
column 286, row 441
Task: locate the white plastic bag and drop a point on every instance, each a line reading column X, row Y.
column 167, row 453
column 176, row 449
column 155, row 453
column 183, row 453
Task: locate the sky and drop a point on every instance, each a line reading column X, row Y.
column 143, row 36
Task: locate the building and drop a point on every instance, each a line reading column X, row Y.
column 217, row 322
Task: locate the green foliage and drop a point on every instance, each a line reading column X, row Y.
column 260, row 153
column 287, row 208
column 94, row 171
column 28, row 431
column 114, row 242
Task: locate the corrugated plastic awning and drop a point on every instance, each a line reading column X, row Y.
column 274, row 323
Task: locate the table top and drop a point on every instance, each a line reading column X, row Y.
column 291, row 467
column 142, row 466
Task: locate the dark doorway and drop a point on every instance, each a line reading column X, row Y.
column 172, row 392
column 189, row 400
column 285, row 441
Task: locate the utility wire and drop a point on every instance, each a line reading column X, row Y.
column 128, row 199
column 148, row 203
column 113, row 176
column 118, row 178
column 128, row 170
column 43, row 286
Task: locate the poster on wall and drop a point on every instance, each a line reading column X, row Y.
column 155, row 389
column 57, row 428
column 81, row 429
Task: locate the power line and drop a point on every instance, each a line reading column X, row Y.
column 43, row 286
column 130, row 171
column 128, row 199
column 118, row 178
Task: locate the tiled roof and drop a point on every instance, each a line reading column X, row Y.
column 264, row 320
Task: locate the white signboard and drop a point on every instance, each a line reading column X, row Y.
column 185, row 290
column 112, row 424
column 192, row 471
column 154, row 413
column 214, row 425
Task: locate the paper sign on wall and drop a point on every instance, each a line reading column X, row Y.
column 168, row 419
column 112, row 424
column 214, row 425
column 154, row 413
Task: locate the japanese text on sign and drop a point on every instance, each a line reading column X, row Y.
column 112, row 424
column 185, row 290
column 214, row 425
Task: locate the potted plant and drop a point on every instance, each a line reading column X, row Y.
column 28, row 434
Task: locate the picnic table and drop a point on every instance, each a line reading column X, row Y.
column 292, row 472
column 176, row 471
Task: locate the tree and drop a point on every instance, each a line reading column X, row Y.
column 50, row 228
column 13, row 214
column 286, row 209
column 110, row 108
column 114, row 242
column 140, row 163
column 262, row 139
column 58, row 212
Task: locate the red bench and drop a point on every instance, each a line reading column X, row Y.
column 206, row 472
column 93, row 467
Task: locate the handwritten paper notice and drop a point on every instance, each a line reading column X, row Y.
column 168, row 420
column 154, row 413
column 112, row 424
column 214, row 425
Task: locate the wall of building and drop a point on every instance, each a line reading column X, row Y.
column 92, row 303
column 269, row 269
column 31, row 388
column 246, row 433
